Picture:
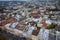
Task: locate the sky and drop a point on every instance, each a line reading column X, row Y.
column 12, row 0
column 24, row 0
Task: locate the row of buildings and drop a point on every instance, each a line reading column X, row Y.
column 35, row 21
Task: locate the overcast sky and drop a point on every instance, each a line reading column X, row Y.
column 12, row 0
column 25, row 0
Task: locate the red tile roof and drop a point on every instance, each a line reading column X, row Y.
column 7, row 21
column 43, row 23
column 20, row 27
column 35, row 32
column 35, row 14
